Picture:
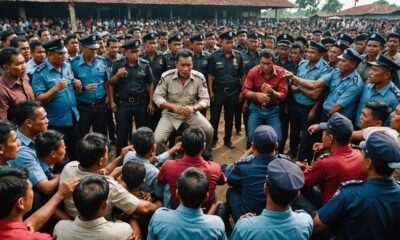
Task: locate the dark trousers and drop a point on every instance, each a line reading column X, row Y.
column 92, row 116
column 238, row 117
column 153, row 120
column 125, row 113
column 309, row 201
column 110, row 124
column 71, row 138
column 228, row 100
column 234, row 201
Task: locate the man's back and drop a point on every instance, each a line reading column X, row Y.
column 185, row 223
column 274, row 225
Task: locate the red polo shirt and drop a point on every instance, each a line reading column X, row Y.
column 172, row 169
column 342, row 165
column 255, row 79
column 13, row 230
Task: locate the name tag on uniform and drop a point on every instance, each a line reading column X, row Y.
column 220, row 65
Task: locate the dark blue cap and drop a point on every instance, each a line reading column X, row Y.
column 209, row 34
column 317, row 31
column 132, row 44
column 89, row 41
column 385, row 62
column 382, row 148
column 56, row 45
column 150, row 36
column 162, row 33
column 301, row 39
column 345, row 37
column 327, row 34
column 241, row 31
column 254, row 35
column 361, row 37
column 340, row 127
column 328, row 40
column 186, row 33
column 197, row 37
column 351, row 54
column 393, row 35
column 177, row 37
column 285, row 37
column 284, row 174
column 318, row 46
column 227, row 36
column 265, row 137
column 340, row 44
column 377, row 37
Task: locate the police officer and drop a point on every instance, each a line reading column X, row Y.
column 133, row 82
column 174, row 45
column 186, row 40
column 346, row 38
column 317, row 36
column 302, row 111
column 241, row 37
column 375, row 45
column 367, row 210
column 53, row 84
column 380, row 86
column 334, row 52
column 158, row 65
column 162, row 42
column 247, row 176
column 328, row 44
column 360, row 43
column 181, row 92
column 210, row 43
column 93, row 72
column 344, row 83
column 393, row 47
column 224, row 81
column 282, row 185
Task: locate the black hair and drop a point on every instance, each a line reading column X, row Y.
column 15, row 41
column 6, row 55
column 382, row 169
column 192, row 187
column 69, row 37
column 267, row 53
column 110, row 40
column 30, row 36
column 299, row 46
column 343, row 141
column 13, row 185
column 5, row 35
column 91, row 192
column 183, row 53
column 91, row 148
column 193, row 139
column 35, row 44
column 280, row 196
column 47, row 141
column 5, row 129
column 142, row 140
column 26, row 110
column 42, row 30
column 380, row 111
column 133, row 173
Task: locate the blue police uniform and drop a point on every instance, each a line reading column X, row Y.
column 91, row 103
column 388, row 94
column 343, row 91
column 185, row 223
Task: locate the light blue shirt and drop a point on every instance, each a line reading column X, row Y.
column 28, row 159
column 31, row 66
column 97, row 73
column 385, row 94
column 274, row 225
column 343, row 91
column 62, row 107
column 305, row 72
column 185, row 223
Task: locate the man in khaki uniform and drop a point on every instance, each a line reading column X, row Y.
column 182, row 93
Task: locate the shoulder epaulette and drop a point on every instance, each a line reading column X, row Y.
column 395, row 90
column 169, row 72
column 74, row 58
column 40, row 67
column 324, row 155
column 351, row 182
column 247, row 159
column 143, row 60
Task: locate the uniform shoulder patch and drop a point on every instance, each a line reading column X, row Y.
column 40, row 68
column 396, row 91
column 205, row 53
column 355, row 79
column 169, row 72
column 143, row 60
column 351, row 183
column 398, row 182
column 247, row 159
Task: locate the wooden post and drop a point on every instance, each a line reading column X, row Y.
column 276, row 14
column 72, row 16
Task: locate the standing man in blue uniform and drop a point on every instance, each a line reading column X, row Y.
column 371, row 209
column 225, row 77
column 93, row 72
column 375, row 45
column 133, row 84
column 302, row 112
column 174, row 45
column 54, row 85
column 380, row 86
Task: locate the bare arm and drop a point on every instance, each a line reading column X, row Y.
column 318, row 224
column 147, row 207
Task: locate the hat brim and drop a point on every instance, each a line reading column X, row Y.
column 92, row 46
column 61, row 50
column 323, row 126
column 394, row 165
column 363, row 145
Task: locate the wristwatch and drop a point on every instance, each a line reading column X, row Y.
column 194, row 108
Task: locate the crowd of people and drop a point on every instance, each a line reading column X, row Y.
column 318, row 102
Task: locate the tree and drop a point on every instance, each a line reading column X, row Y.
column 310, row 5
column 332, row 6
column 383, row 2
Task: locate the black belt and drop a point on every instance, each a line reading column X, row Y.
column 265, row 106
column 131, row 99
column 227, row 89
column 94, row 104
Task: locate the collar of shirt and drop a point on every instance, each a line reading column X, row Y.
column 383, row 90
column 278, row 59
column 91, row 223
column 277, row 215
column 190, row 211
column 10, row 81
column 51, row 66
column 24, row 139
column 274, row 73
column 176, row 77
column 141, row 159
column 118, row 57
column 318, row 64
column 350, row 76
column 195, row 159
column 7, row 225
column 48, row 170
column 342, row 149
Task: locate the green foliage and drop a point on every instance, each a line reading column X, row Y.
column 333, row 6
column 310, row 5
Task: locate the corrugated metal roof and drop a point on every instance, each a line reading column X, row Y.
column 374, row 8
column 239, row 3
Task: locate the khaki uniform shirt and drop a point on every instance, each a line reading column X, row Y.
column 170, row 89
column 119, row 197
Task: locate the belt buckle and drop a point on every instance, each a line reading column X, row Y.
column 226, row 89
column 131, row 100
column 94, row 104
column 263, row 106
